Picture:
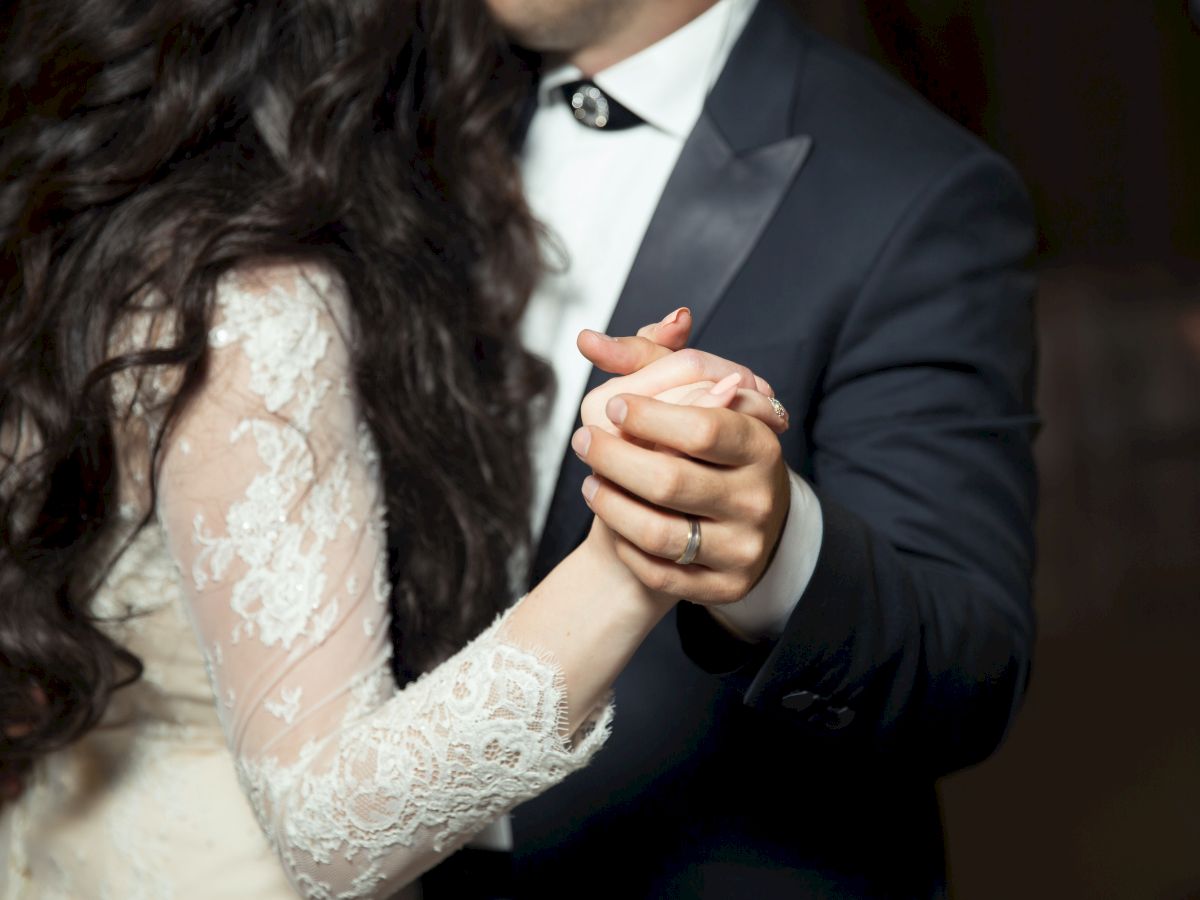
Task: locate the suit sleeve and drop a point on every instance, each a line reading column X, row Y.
column 913, row 637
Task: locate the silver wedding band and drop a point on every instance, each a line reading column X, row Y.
column 693, row 543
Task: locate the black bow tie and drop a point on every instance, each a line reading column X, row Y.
column 595, row 109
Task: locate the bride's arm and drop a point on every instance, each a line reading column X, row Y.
column 270, row 500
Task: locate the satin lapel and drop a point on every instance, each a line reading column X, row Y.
column 712, row 213
column 719, row 199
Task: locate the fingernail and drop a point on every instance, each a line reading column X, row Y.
column 672, row 318
column 590, row 486
column 581, row 440
column 725, row 384
column 617, row 410
column 600, row 334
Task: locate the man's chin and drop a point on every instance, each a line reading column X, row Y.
column 551, row 46
column 559, row 28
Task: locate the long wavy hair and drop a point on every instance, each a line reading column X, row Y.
column 149, row 147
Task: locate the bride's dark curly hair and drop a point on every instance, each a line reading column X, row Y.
column 148, row 147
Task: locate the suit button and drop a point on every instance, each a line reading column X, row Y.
column 800, row 701
column 838, row 717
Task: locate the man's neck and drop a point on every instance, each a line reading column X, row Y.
column 646, row 24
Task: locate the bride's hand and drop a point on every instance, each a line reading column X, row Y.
column 652, row 363
column 626, row 355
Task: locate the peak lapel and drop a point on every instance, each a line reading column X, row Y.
column 732, row 174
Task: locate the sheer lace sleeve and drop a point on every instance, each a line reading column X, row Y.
column 271, row 503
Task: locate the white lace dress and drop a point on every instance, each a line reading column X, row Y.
column 266, row 751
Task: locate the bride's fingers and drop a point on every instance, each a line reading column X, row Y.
column 628, row 355
column 755, row 405
column 681, row 367
column 750, row 403
column 674, row 331
column 715, row 396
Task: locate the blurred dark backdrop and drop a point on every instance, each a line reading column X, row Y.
column 1096, row 792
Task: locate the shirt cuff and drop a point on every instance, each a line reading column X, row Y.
column 763, row 612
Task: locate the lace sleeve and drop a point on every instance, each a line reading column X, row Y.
column 271, row 502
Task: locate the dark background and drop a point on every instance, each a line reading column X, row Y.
column 1096, row 792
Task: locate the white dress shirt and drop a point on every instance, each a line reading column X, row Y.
column 596, row 191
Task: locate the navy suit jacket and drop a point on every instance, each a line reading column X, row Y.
column 868, row 258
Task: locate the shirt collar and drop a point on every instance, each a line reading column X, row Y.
column 667, row 83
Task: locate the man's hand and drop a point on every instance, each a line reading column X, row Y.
column 698, row 448
column 730, row 476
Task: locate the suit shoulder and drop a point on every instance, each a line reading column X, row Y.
column 876, row 123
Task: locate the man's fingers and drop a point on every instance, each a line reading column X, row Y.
column 654, row 530
column 695, row 583
column 625, row 355
column 619, row 356
column 719, row 436
column 672, row 332
column 670, row 481
column 660, row 532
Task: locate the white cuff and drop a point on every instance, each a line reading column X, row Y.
column 764, row 611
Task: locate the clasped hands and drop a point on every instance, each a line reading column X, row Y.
column 682, row 433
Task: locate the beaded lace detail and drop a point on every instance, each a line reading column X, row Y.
column 270, row 505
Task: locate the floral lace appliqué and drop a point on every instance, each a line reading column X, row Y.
column 358, row 787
